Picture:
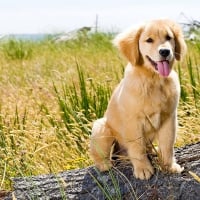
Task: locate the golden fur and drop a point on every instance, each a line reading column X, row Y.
column 143, row 107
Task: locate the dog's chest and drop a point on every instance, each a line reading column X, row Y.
column 161, row 97
column 158, row 103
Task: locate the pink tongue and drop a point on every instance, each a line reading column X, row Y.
column 163, row 68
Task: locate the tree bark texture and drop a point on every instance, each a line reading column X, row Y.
column 118, row 183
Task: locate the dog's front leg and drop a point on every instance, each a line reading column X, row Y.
column 166, row 139
column 136, row 147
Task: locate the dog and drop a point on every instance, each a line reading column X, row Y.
column 143, row 107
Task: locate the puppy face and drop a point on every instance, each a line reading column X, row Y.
column 157, row 47
column 154, row 45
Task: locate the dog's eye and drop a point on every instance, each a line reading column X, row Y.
column 149, row 40
column 168, row 37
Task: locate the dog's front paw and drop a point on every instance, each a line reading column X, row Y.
column 104, row 166
column 143, row 172
column 175, row 168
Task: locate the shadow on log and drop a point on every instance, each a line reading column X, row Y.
column 118, row 183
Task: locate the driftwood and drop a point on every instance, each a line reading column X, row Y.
column 118, row 183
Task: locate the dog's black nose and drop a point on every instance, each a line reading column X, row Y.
column 164, row 52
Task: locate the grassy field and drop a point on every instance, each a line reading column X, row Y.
column 51, row 93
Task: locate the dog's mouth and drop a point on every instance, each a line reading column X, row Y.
column 162, row 66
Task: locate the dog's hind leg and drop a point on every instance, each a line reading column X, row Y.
column 100, row 144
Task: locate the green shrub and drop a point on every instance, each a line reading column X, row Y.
column 17, row 49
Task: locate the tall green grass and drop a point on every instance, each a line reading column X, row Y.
column 50, row 97
column 88, row 97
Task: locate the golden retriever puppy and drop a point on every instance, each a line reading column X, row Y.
column 143, row 107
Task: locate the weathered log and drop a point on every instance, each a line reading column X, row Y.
column 118, row 183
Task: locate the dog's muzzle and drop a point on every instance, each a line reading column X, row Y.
column 162, row 66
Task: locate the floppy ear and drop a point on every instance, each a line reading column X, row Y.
column 180, row 45
column 128, row 44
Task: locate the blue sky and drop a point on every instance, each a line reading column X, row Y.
column 44, row 16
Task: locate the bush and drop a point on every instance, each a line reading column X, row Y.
column 17, row 49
